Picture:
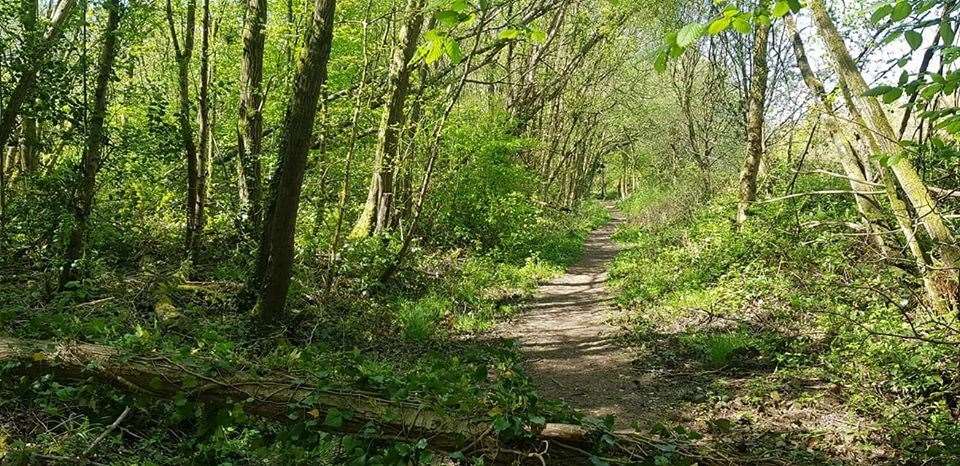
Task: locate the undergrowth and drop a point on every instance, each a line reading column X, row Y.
column 406, row 339
column 789, row 300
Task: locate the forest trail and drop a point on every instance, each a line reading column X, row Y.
column 569, row 345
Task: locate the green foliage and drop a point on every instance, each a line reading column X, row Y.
column 419, row 319
column 800, row 299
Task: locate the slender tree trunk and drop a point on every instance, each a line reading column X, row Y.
column 183, row 54
column 946, row 254
column 29, row 141
column 755, row 110
column 90, row 164
column 251, row 114
column 275, row 258
column 434, row 153
column 205, row 145
column 377, row 211
column 23, row 88
column 867, row 204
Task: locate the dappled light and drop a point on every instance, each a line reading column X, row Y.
column 479, row 232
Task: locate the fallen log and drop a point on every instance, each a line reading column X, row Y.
column 280, row 396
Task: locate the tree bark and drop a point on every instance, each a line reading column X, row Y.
column 378, row 209
column 205, row 145
column 27, row 81
column 281, row 397
column 250, row 123
column 275, row 257
column 90, row 163
column 867, row 204
column 183, row 54
column 755, row 110
column 946, row 254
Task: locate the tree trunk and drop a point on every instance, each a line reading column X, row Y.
column 205, row 145
column 867, row 204
column 281, row 397
column 28, row 79
column 755, row 110
column 90, row 164
column 29, row 140
column 946, row 254
column 251, row 114
column 275, row 258
column 378, row 209
column 183, row 54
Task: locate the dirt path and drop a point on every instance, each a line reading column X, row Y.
column 568, row 343
column 746, row 408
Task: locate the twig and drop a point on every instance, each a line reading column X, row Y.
column 106, row 432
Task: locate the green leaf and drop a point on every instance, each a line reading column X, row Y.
column 459, row 5
column 931, row 90
column 448, row 18
column 501, row 424
column 913, row 38
column 537, row 36
column 689, row 34
column 946, row 33
column 435, row 52
column 781, row 9
column 741, row 25
column 794, row 5
column 334, row 418
column 718, row 26
column 452, row 49
column 508, row 34
column 880, row 13
column 904, row 77
column 660, row 61
column 901, row 10
column 878, row 91
column 892, row 95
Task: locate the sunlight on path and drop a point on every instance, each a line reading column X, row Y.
column 569, row 346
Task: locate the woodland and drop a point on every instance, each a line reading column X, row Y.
column 397, row 232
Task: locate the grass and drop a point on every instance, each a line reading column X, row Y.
column 780, row 324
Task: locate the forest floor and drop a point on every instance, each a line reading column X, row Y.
column 571, row 348
column 578, row 348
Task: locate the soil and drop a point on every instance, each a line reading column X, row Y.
column 749, row 409
column 571, row 348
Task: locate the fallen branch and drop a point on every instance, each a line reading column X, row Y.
column 279, row 397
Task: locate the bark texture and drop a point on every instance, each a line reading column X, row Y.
column 867, row 204
column 90, row 163
column 378, row 209
column 275, row 257
column 882, row 136
column 251, row 115
column 183, row 53
column 755, row 110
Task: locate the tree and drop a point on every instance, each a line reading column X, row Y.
column 756, row 100
column 90, row 163
column 275, row 256
column 183, row 53
column 378, row 209
column 882, row 138
column 250, row 122
column 25, row 84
